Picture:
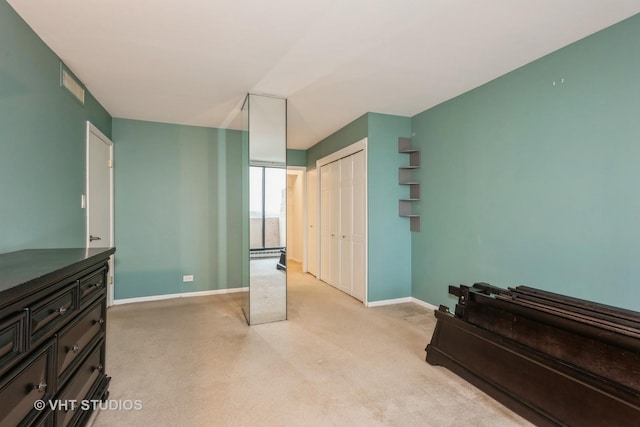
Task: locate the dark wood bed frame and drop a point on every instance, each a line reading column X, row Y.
column 553, row 359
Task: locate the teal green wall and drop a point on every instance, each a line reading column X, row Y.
column 389, row 237
column 42, row 143
column 524, row 182
column 353, row 132
column 296, row 157
column 178, row 208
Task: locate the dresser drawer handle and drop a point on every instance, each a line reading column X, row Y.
column 99, row 368
column 62, row 310
column 40, row 387
column 98, row 284
column 75, row 348
column 99, row 322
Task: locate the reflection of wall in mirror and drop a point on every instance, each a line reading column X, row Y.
column 272, row 232
column 267, row 130
column 295, row 213
column 283, row 218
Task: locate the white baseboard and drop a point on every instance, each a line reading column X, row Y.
column 389, row 302
column 423, row 303
column 401, row 301
column 182, row 295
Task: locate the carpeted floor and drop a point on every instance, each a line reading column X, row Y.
column 195, row 362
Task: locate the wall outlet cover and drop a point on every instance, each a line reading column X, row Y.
column 187, row 278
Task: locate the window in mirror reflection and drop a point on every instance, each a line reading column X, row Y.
column 267, row 203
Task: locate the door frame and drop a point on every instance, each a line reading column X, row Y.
column 307, row 212
column 93, row 130
column 302, row 172
column 360, row 145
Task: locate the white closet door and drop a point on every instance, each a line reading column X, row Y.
column 346, row 224
column 359, row 228
column 312, row 222
column 325, row 223
column 334, row 195
column 343, row 224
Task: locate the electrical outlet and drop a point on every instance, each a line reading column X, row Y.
column 187, row 278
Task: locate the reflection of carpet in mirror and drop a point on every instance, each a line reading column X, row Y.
column 265, row 267
column 267, row 291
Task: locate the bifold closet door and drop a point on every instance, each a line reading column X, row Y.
column 345, row 216
column 334, row 224
column 325, row 223
column 343, row 224
column 359, row 226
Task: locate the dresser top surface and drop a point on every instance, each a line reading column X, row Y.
column 20, row 267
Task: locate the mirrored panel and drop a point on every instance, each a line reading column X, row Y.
column 267, row 133
column 244, row 114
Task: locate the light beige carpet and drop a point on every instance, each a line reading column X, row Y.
column 195, row 362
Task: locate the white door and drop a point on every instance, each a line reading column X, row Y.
column 312, row 222
column 343, row 220
column 345, row 216
column 359, row 227
column 325, row 223
column 334, row 226
column 99, row 197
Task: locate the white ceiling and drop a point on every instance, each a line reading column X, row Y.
column 193, row 61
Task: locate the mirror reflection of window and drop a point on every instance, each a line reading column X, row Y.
column 275, row 186
column 256, row 211
column 267, row 206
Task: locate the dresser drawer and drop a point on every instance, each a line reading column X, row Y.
column 92, row 284
column 12, row 340
column 85, row 380
column 30, row 381
column 76, row 338
column 52, row 312
column 45, row 420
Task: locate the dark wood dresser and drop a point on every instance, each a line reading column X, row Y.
column 52, row 335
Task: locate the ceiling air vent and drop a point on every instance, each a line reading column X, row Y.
column 72, row 85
